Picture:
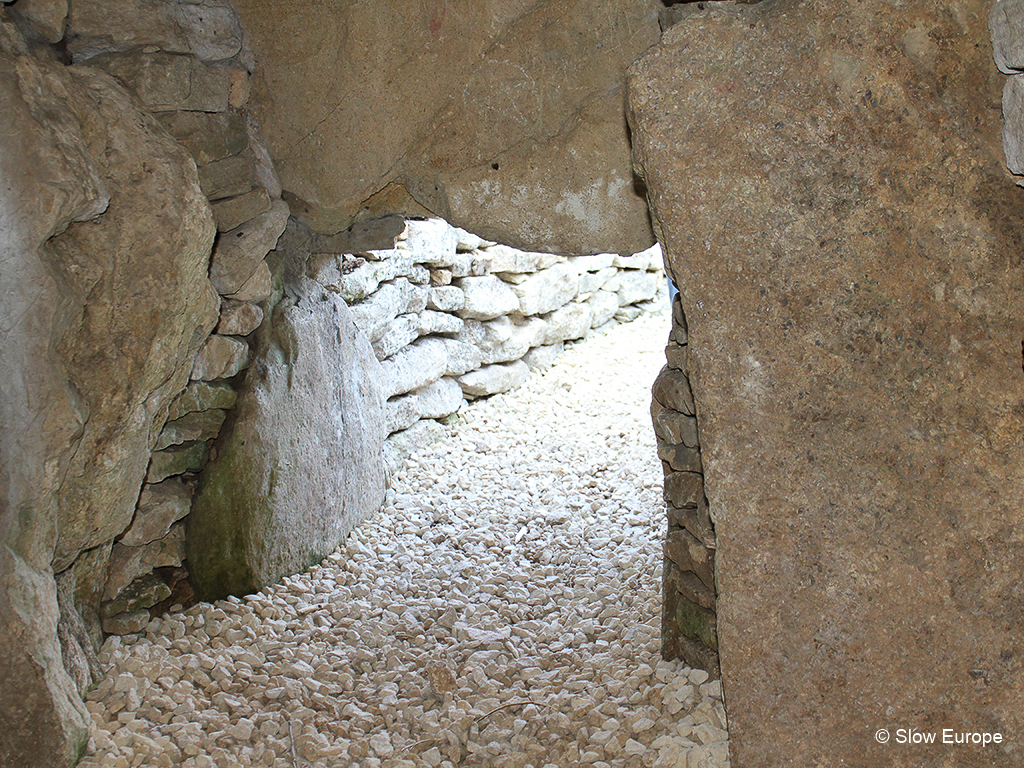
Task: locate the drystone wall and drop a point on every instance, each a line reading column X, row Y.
column 189, row 71
column 453, row 317
column 689, row 628
column 1006, row 24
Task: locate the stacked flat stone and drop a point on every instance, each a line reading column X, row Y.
column 1006, row 23
column 453, row 317
column 689, row 629
column 188, row 68
column 501, row 610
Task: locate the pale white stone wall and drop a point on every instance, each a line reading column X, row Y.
column 453, row 317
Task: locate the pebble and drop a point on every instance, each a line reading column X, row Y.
column 502, row 609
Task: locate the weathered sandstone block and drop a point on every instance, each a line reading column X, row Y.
column 828, row 182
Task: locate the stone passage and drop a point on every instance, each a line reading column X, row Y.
column 501, row 610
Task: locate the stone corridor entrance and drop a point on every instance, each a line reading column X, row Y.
column 503, row 609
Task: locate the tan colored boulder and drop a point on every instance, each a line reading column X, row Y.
column 829, row 186
column 102, row 316
column 505, row 118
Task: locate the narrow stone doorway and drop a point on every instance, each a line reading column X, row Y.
column 503, row 609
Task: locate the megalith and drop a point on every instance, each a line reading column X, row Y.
column 828, row 182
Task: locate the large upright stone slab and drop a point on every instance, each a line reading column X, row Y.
column 300, row 463
column 828, row 182
column 104, row 304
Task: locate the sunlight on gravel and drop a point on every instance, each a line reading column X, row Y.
column 502, row 610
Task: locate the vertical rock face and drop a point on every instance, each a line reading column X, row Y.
column 829, row 185
column 104, row 307
column 301, row 463
column 505, row 118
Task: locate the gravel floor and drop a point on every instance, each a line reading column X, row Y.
column 502, row 611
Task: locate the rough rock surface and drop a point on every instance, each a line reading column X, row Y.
column 829, row 185
column 74, row 453
column 505, row 118
column 207, row 29
column 502, row 610
column 300, row 463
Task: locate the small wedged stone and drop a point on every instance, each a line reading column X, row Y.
column 220, row 357
column 440, row 399
column 201, row 396
column 467, row 241
column 677, row 356
column 160, row 506
column 672, row 390
column 401, row 412
column 687, row 584
column 679, row 457
column 673, row 426
column 399, row 333
column 543, row 357
column 593, row 281
column 432, row 242
column 446, row 298
column 683, row 488
column 374, row 314
column 126, row 623
column 144, row 592
column 492, row 379
column 441, row 277
column 256, row 288
column 238, row 253
column 696, row 520
column 486, row 297
column 177, row 461
column 439, row 322
column 192, row 427
column 232, row 212
column 238, row 318
column 128, row 563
